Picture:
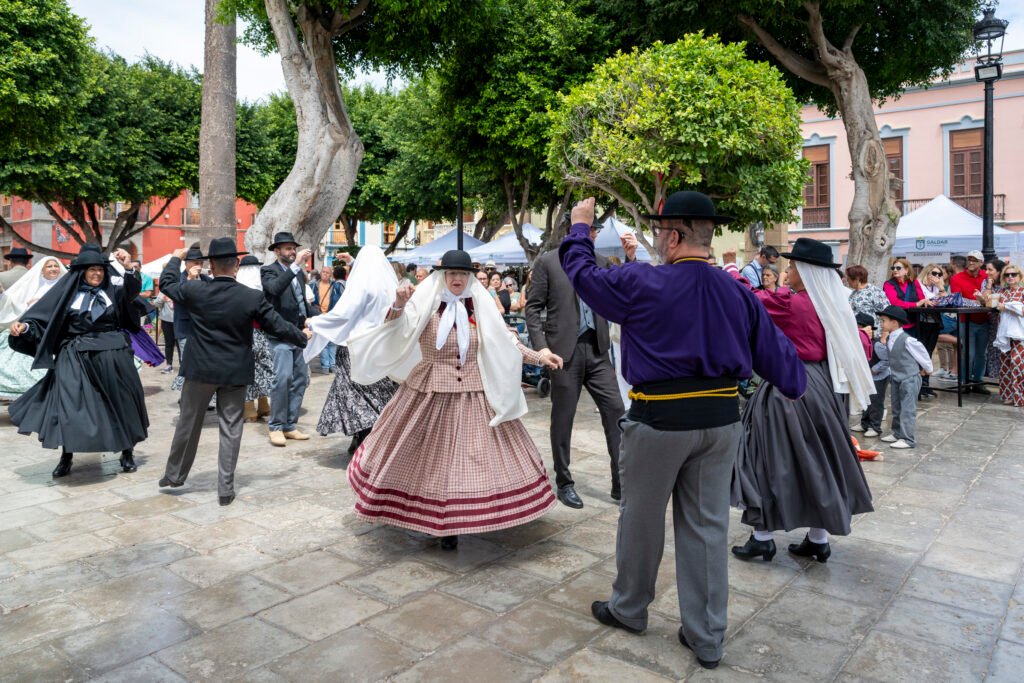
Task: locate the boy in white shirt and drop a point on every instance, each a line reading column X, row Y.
column 908, row 362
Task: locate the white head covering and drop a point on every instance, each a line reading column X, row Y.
column 392, row 349
column 26, row 291
column 250, row 277
column 846, row 362
column 369, row 292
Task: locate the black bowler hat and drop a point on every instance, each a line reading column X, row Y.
column 222, row 247
column 194, row 254
column 249, row 260
column 89, row 257
column 894, row 312
column 456, row 259
column 813, row 252
column 689, row 205
column 283, row 238
column 18, row 252
column 865, row 320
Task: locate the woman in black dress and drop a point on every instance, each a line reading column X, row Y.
column 91, row 398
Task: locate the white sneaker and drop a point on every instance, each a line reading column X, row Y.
column 889, row 438
column 871, row 433
column 856, row 428
column 900, row 444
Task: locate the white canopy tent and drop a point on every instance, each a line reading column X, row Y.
column 506, row 250
column 943, row 226
column 154, row 268
column 609, row 241
column 432, row 251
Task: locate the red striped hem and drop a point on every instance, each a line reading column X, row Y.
column 542, row 487
column 358, row 479
column 508, row 520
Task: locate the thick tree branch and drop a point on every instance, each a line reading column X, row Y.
column 812, row 72
column 63, row 223
column 400, row 234
column 343, row 23
column 37, row 248
column 827, row 52
column 850, row 37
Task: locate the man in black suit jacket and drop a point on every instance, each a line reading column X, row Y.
column 580, row 336
column 220, row 359
column 284, row 285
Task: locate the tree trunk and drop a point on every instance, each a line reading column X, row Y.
column 403, row 230
column 349, row 224
column 873, row 215
column 217, row 133
column 329, row 151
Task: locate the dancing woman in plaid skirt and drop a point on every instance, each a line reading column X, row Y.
column 448, row 454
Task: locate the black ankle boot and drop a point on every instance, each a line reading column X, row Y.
column 128, row 461
column 357, row 440
column 64, row 466
column 755, row 548
column 449, row 542
column 819, row 551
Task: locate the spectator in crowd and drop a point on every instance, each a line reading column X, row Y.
column 769, row 279
column 421, row 274
column 326, row 293
column 917, row 268
column 904, row 291
column 1010, row 336
column 866, row 297
column 908, row 362
column 518, row 299
column 399, row 270
column 501, row 295
column 993, row 286
column 147, row 281
column 767, row 256
column 871, row 419
column 957, row 264
column 165, row 307
column 410, row 273
column 482, row 278
column 969, row 284
column 17, row 259
column 929, row 323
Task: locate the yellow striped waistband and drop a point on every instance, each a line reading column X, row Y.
column 723, row 392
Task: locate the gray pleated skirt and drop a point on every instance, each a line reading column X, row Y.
column 796, row 466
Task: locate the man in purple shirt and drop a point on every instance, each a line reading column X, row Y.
column 689, row 333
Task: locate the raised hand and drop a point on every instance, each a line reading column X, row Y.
column 583, row 212
column 403, row 294
column 629, row 245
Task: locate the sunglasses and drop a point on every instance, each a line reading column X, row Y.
column 937, row 273
column 897, row 267
column 1011, row 274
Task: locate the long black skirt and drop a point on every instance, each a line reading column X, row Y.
column 91, row 401
column 796, row 465
column 351, row 407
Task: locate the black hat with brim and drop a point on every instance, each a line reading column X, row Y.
column 283, row 238
column 689, row 205
column 813, row 252
column 194, row 254
column 894, row 312
column 89, row 257
column 18, row 252
column 456, row 259
column 250, row 260
column 223, row 247
column 865, row 320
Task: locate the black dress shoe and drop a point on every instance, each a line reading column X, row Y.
column 819, row 551
column 226, row 500
column 616, row 493
column 567, row 496
column 706, row 663
column 166, row 483
column 449, row 542
column 64, row 466
column 755, row 548
column 981, row 389
column 599, row 608
column 128, row 462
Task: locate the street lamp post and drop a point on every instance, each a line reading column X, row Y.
column 988, row 34
column 458, row 210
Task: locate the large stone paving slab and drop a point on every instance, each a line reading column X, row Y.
column 105, row 577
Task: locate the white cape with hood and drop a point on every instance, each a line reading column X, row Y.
column 392, row 349
column 846, row 361
column 26, row 291
column 369, row 292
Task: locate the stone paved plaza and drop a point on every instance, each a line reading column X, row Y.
column 103, row 577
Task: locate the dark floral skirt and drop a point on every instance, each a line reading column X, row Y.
column 351, row 407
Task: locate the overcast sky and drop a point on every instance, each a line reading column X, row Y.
column 173, row 31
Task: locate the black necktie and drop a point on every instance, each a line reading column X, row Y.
column 96, row 306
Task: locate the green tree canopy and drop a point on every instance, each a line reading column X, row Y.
column 695, row 114
column 43, row 54
column 134, row 137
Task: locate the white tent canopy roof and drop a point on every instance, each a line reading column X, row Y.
column 609, row 243
column 942, row 225
column 432, row 251
column 154, row 268
column 506, row 250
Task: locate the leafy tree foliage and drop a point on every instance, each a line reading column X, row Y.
column 692, row 114
column 44, row 50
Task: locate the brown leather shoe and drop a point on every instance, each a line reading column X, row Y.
column 277, row 439
column 262, row 407
column 296, row 435
column 249, row 415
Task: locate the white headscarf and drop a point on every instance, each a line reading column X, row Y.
column 26, row 291
column 846, row 362
column 392, row 349
column 369, row 292
column 455, row 315
column 250, row 277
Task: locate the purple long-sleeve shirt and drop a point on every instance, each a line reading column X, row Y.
column 687, row 319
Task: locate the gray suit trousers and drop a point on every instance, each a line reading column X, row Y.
column 195, row 397
column 694, row 470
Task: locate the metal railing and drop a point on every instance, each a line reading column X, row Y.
column 974, row 203
column 108, row 213
column 818, row 217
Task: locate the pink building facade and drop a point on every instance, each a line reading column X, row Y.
column 933, row 140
